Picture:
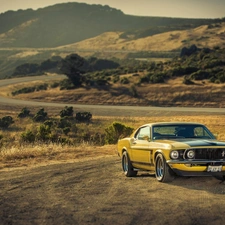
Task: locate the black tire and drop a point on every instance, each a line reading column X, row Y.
column 163, row 172
column 127, row 166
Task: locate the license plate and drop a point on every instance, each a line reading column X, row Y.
column 214, row 168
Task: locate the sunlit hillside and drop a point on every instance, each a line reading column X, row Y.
column 203, row 36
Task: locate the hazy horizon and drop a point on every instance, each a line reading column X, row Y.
column 160, row 8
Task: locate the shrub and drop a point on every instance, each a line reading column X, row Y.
column 199, row 75
column 40, row 116
column 44, row 133
column 115, row 79
column 187, row 80
column 115, row 131
column 83, row 116
column 66, row 84
column 49, row 123
column 55, row 85
column 66, row 130
column 63, row 123
column 156, row 78
column 28, row 136
column 144, row 79
column 6, row 121
column 41, row 87
column 124, row 80
column 24, row 91
column 66, row 112
column 24, row 113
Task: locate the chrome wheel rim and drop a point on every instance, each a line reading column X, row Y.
column 159, row 169
column 125, row 164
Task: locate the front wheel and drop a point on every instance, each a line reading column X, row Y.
column 127, row 166
column 163, row 172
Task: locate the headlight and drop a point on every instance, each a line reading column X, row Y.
column 174, row 155
column 191, row 154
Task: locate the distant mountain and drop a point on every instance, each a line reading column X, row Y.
column 68, row 23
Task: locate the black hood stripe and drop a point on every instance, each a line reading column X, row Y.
column 199, row 143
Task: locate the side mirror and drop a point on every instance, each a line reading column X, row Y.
column 132, row 141
column 146, row 138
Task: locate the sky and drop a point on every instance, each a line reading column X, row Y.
column 161, row 8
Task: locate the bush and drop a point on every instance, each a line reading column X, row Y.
column 6, row 121
column 200, row 75
column 49, row 123
column 41, row 87
column 83, row 116
column 156, row 78
column 63, row 123
column 24, row 91
column 28, row 136
column 24, row 113
column 115, row 79
column 124, row 80
column 115, row 131
column 66, row 84
column 66, row 130
column 187, row 80
column 55, row 85
column 66, row 112
column 40, row 116
column 44, row 133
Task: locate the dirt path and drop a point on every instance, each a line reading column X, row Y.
column 96, row 192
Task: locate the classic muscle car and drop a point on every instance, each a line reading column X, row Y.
column 171, row 149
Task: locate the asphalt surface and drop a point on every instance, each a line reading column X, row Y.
column 98, row 109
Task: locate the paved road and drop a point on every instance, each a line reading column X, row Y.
column 100, row 109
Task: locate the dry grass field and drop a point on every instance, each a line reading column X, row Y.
column 207, row 36
column 171, row 93
column 17, row 154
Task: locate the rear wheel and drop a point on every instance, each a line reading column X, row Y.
column 163, row 172
column 127, row 166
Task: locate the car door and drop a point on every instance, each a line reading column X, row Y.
column 140, row 152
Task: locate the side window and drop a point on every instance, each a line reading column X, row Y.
column 143, row 133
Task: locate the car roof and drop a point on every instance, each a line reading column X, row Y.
column 171, row 123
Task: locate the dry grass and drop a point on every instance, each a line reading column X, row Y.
column 200, row 36
column 42, row 154
column 171, row 93
column 17, row 155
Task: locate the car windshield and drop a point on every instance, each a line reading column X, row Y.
column 181, row 131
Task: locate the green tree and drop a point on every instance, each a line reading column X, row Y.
column 73, row 67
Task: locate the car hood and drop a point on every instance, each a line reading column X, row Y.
column 188, row 143
column 200, row 142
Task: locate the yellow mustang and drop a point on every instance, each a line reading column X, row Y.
column 173, row 148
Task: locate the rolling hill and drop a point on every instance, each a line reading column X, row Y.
column 68, row 23
column 202, row 36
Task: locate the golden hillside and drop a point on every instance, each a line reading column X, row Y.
column 203, row 36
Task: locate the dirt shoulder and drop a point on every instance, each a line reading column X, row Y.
column 97, row 192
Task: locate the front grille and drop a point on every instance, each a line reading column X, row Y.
column 208, row 153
